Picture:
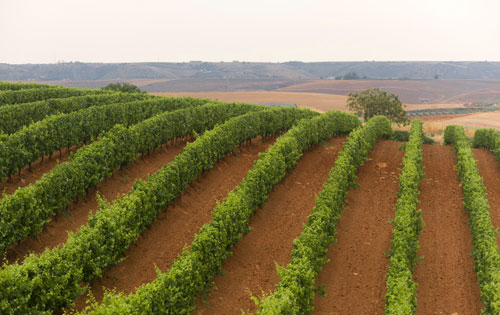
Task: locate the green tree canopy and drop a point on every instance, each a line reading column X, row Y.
column 123, row 87
column 372, row 102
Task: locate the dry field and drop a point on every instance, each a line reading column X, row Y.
column 410, row 91
column 321, row 102
column 317, row 101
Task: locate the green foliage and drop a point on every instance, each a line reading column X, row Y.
column 65, row 130
column 400, row 135
column 175, row 291
column 401, row 290
column 404, row 136
column 296, row 291
column 486, row 138
column 54, row 279
column 14, row 117
column 348, row 76
column 123, row 87
column 14, row 86
column 372, row 102
column 485, row 252
column 25, row 212
column 37, row 94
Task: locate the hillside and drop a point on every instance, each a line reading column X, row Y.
column 78, row 71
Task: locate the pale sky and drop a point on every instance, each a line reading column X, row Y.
column 35, row 31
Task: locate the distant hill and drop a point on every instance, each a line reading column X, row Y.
column 78, row 71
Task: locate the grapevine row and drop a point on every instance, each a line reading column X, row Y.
column 33, row 95
column 65, row 130
column 175, row 291
column 485, row 252
column 295, row 293
column 53, row 279
column 401, row 290
column 489, row 139
column 14, row 117
column 13, row 86
column 25, row 212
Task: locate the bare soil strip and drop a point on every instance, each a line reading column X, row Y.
column 489, row 169
column 77, row 214
column 446, row 279
column 354, row 279
column 38, row 169
column 176, row 227
column 274, row 227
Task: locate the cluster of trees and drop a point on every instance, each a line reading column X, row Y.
column 350, row 76
column 123, row 87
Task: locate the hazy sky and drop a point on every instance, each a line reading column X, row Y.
column 34, row 31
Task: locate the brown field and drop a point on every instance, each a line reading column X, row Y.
column 317, row 101
column 409, row 91
column 321, row 102
column 479, row 120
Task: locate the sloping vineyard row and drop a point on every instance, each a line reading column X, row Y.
column 401, row 289
column 13, row 86
column 37, row 94
column 14, row 117
column 65, row 130
column 485, row 253
column 53, row 279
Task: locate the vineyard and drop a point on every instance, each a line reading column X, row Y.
column 128, row 203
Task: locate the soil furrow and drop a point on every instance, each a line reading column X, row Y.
column 354, row 279
column 252, row 268
column 489, row 169
column 174, row 228
column 56, row 231
column 446, row 279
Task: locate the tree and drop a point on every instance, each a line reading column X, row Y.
column 351, row 76
column 372, row 102
column 348, row 76
column 123, row 87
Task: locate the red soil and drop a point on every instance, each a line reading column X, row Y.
column 489, row 169
column 252, row 268
column 55, row 231
column 354, row 278
column 174, row 228
column 38, row 169
column 446, row 279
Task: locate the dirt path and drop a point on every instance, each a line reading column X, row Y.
column 489, row 169
column 176, row 227
column 354, row 279
column 274, row 227
column 446, row 279
column 38, row 169
column 55, row 232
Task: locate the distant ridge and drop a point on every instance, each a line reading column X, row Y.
column 79, row 71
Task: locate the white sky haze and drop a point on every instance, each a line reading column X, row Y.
column 33, row 31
